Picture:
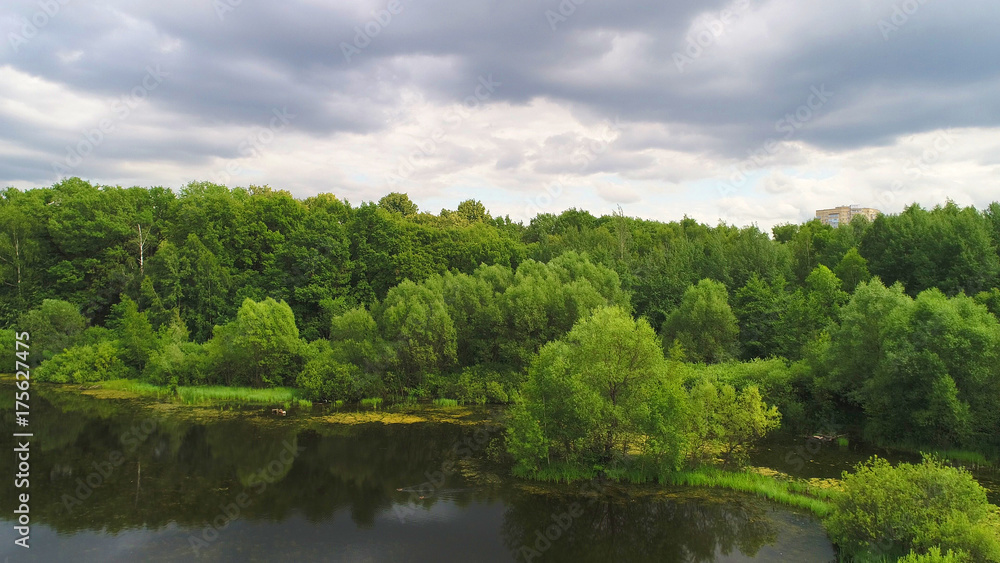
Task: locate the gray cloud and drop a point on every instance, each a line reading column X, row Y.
column 891, row 75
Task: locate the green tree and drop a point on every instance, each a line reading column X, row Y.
column 205, row 301
column 704, row 324
column 924, row 371
column 21, row 251
column 261, row 347
column 325, row 377
column 134, row 333
column 757, row 307
column 472, row 211
column 888, row 510
column 852, row 270
column 415, row 322
column 53, row 327
column 587, row 396
column 950, row 248
column 398, row 203
column 727, row 423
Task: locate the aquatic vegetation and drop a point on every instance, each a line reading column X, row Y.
column 372, row 403
column 215, row 394
column 791, row 493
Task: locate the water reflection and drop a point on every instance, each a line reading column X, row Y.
column 113, row 480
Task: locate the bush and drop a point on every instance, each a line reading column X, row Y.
column 54, row 327
column 84, row 364
column 185, row 363
column 326, row 378
column 934, row 555
column 776, row 380
column 480, row 385
column 727, row 424
column 914, row 507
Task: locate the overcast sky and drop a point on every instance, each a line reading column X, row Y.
column 754, row 111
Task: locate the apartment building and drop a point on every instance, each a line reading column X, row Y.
column 842, row 215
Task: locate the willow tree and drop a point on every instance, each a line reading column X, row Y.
column 594, row 394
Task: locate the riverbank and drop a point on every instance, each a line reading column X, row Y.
column 813, row 495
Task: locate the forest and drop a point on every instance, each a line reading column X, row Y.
column 623, row 346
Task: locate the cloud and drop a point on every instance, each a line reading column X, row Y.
column 616, row 193
column 591, row 100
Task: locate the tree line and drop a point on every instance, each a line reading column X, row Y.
column 891, row 322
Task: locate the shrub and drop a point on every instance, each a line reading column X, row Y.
column 914, row 507
column 185, row 363
column 325, row 378
column 934, row 555
column 84, row 364
column 480, row 385
column 54, row 326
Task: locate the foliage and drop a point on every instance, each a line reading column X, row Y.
column 261, row 347
column 54, row 326
column 703, row 324
column 325, row 378
column 923, row 370
column 892, row 510
column 132, row 329
column 726, row 422
column 947, row 247
column 84, row 364
column 604, row 393
column 458, row 304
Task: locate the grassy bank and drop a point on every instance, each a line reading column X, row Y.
column 791, row 493
column 214, row 394
column 785, row 491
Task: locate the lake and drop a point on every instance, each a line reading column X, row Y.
column 137, row 480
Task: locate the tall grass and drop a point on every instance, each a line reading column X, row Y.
column 790, row 493
column 213, row 394
column 372, row 403
column 960, row 456
column 445, row 402
column 239, row 395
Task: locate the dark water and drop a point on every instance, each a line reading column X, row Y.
column 813, row 459
column 120, row 481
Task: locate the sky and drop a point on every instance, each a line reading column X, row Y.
column 748, row 112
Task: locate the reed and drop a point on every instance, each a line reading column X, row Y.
column 372, row 403
column 200, row 395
